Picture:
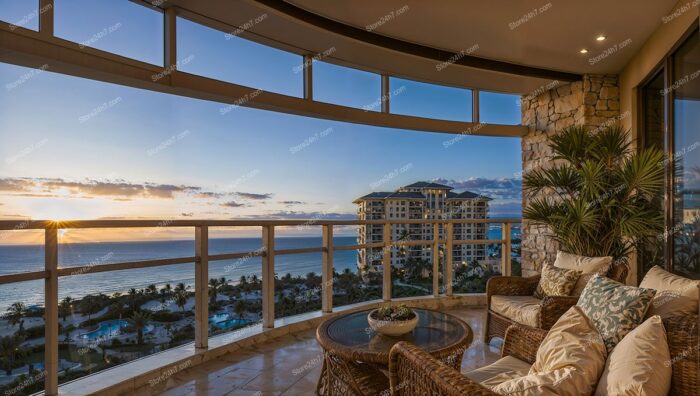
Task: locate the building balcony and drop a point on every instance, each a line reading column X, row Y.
column 205, row 314
column 237, row 346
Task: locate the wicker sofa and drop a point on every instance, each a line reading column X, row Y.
column 414, row 372
column 519, row 292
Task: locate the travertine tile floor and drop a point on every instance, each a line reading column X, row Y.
column 291, row 365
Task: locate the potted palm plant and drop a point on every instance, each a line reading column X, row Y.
column 600, row 197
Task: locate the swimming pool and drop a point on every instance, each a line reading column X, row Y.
column 110, row 329
column 227, row 324
column 220, row 317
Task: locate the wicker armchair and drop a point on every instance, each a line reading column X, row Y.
column 414, row 372
column 551, row 308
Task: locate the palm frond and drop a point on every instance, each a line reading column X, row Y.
column 644, row 173
column 573, row 145
column 594, row 183
column 562, row 179
column 611, row 145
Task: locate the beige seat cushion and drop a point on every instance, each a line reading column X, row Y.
column 521, row 309
column 639, row 364
column 569, row 360
column 675, row 295
column 502, row 370
column 589, row 266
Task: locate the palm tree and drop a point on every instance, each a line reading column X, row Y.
column 132, row 298
column 181, row 299
column 239, row 308
column 152, row 289
column 65, row 308
column 602, row 192
column 140, row 319
column 89, row 305
column 10, row 351
column 15, row 314
column 214, row 285
column 416, row 267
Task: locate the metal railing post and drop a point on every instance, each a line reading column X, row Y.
column 386, row 263
column 505, row 250
column 201, row 287
column 449, row 274
column 327, row 270
column 51, row 311
column 436, row 259
column 268, row 276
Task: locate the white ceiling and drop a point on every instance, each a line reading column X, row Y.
column 548, row 40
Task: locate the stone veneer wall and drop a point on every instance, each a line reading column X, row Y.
column 592, row 102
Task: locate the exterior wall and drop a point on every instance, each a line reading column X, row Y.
column 592, row 102
column 645, row 61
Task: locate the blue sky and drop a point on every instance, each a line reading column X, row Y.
column 76, row 148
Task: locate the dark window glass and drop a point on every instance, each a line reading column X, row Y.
column 686, row 119
column 653, row 251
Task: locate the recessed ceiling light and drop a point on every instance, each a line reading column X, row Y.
column 600, row 38
column 584, row 51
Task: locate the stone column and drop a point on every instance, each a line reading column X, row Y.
column 592, row 102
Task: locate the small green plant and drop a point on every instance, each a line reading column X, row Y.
column 400, row 312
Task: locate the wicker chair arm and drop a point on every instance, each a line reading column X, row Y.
column 511, row 286
column 412, row 371
column 553, row 307
column 684, row 345
column 522, row 342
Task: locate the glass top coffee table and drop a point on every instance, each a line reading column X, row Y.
column 355, row 355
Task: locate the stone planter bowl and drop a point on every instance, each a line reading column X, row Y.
column 392, row 328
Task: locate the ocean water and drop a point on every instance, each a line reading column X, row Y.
column 26, row 258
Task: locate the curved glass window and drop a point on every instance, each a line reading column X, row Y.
column 346, row 86
column 120, row 27
column 227, row 57
column 419, row 99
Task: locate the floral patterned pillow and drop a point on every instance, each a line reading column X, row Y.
column 556, row 281
column 614, row 309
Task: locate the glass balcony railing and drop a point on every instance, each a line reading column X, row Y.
column 109, row 303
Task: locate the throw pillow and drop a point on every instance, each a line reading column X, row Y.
column 556, row 281
column 589, row 267
column 675, row 295
column 640, row 364
column 614, row 309
column 568, row 362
